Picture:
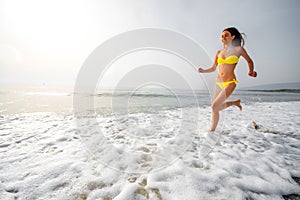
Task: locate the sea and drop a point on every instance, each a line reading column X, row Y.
column 28, row 99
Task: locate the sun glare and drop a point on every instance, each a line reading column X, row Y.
column 50, row 24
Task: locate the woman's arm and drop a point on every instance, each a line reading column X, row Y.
column 250, row 63
column 214, row 66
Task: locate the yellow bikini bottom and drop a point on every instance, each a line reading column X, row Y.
column 223, row 85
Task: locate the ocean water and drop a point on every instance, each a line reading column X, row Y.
column 27, row 99
column 147, row 144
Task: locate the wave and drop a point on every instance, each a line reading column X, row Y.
column 151, row 94
column 277, row 90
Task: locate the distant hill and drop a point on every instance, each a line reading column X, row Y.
column 275, row 87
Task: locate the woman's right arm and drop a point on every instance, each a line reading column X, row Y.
column 213, row 67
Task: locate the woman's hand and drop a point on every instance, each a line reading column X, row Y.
column 201, row 70
column 253, row 74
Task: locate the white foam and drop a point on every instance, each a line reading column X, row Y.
column 44, row 156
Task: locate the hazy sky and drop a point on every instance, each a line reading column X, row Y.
column 48, row 41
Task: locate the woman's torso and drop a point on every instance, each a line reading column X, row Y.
column 226, row 71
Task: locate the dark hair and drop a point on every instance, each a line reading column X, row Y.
column 238, row 37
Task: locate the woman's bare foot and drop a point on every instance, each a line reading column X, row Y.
column 238, row 104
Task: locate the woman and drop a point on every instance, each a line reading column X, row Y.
column 227, row 59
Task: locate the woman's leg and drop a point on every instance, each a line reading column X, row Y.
column 215, row 115
column 232, row 103
column 220, row 104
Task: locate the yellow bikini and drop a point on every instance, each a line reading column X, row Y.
column 223, row 85
column 233, row 59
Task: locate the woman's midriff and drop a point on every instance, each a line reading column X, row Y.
column 226, row 72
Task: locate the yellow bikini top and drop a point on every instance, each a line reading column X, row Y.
column 229, row 60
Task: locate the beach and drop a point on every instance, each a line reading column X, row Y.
column 115, row 100
column 161, row 153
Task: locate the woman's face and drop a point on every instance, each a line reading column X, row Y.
column 226, row 37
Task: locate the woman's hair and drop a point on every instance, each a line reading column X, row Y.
column 238, row 39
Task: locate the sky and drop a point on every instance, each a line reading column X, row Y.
column 47, row 42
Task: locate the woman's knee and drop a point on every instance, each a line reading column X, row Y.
column 215, row 107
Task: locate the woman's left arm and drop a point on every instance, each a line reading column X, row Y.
column 250, row 63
